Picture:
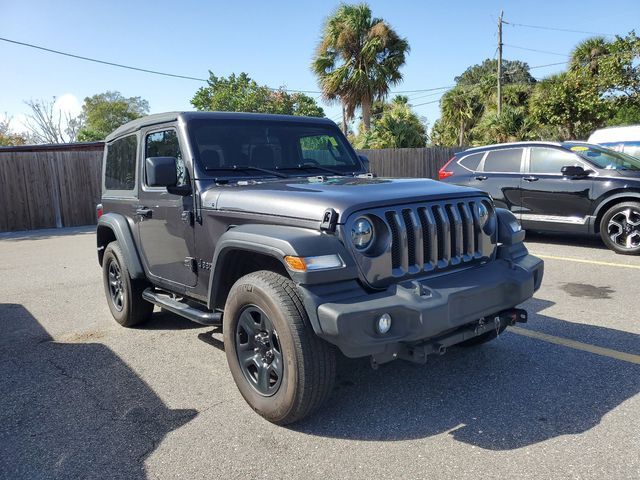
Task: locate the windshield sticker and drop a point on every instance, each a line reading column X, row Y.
column 578, row 148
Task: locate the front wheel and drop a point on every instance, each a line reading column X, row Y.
column 124, row 294
column 620, row 228
column 282, row 369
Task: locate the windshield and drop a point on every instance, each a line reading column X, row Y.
column 630, row 148
column 242, row 148
column 605, row 158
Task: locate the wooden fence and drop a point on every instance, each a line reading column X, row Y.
column 46, row 186
column 409, row 162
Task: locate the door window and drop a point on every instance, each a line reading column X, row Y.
column 550, row 160
column 506, row 160
column 165, row 144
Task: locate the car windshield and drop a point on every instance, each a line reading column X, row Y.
column 605, row 158
column 264, row 148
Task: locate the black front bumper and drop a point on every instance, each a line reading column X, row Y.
column 420, row 309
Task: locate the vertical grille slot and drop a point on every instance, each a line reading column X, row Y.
column 429, row 236
column 456, row 232
column 396, row 254
column 411, row 236
column 444, row 235
column 468, row 230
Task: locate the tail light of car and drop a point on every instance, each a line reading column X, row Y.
column 443, row 172
column 99, row 210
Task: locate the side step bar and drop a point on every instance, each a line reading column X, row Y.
column 194, row 314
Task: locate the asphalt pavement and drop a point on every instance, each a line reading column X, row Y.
column 81, row 397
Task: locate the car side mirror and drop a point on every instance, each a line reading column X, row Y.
column 161, row 171
column 575, row 171
column 365, row 162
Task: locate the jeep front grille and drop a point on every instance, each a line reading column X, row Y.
column 427, row 237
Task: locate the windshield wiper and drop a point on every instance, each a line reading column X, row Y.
column 247, row 168
column 307, row 166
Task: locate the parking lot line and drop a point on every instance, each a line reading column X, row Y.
column 565, row 342
column 580, row 260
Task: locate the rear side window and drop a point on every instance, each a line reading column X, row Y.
column 120, row 165
column 550, row 160
column 505, row 160
column 471, row 162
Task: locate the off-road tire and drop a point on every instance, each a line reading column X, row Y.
column 133, row 309
column 309, row 362
column 604, row 227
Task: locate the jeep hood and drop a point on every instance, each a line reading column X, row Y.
column 308, row 198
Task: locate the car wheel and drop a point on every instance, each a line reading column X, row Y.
column 620, row 228
column 124, row 295
column 282, row 369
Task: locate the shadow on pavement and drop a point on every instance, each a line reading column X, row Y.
column 569, row 239
column 47, row 233
column 510, row 393
column 73, row 410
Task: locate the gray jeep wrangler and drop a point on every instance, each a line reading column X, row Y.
column 271, row 227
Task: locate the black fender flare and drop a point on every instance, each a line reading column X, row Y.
column 278, row 241
column 120, row 227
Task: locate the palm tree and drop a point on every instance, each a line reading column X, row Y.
column 588, row 53
column 460, row 107
column 358, row 59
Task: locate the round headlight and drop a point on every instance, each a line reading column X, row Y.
column 362, row 233
column 483, row 214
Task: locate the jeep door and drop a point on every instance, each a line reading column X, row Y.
column 500, row 175
column 165, row 220
column 551, row 201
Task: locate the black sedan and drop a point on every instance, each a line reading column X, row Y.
column 558, row 187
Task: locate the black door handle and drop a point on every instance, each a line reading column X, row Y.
column 144, row 212
column 531, row 179
column 480, row 177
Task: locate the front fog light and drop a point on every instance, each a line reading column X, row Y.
column 383, row 325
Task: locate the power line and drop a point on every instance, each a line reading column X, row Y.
column 104, row 62
column 129, row 67
column 542, row 27
column 549, row 65
column 536, row 50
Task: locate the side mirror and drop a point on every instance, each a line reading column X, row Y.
column 365, row 162
column 575, row 171
column 161, row 171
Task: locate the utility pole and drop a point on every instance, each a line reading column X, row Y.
column 500, row 62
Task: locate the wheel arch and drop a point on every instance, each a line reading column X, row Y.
column 248, row 248
column 611, row 200
column 114, row 227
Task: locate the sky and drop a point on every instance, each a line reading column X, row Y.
column 272, row 41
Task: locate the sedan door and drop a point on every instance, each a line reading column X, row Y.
column 551, row 201
column 500, row 175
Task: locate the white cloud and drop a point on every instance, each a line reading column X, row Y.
column 68, row 103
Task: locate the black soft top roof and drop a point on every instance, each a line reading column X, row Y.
column 157, row 118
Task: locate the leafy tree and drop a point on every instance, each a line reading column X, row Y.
column 485, row 75
column 240, row 93
column 104, row 112
column 358, row 59
column 9, row 138
column 571, row 103
column 395, row 126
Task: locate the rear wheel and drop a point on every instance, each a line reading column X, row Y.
column 282, row 369
column 620, row 228
column 124, row 294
